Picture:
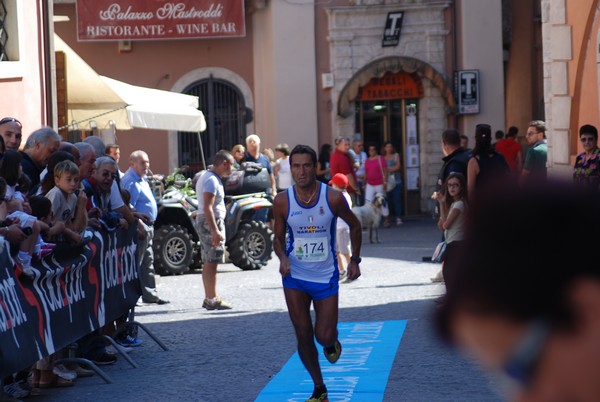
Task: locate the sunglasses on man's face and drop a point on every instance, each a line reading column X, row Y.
column 523, row 361
column 587, row 139
column 10, row 120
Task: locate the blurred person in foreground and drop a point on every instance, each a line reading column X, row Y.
column 531, row 315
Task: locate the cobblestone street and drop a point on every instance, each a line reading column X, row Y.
column 231, row 355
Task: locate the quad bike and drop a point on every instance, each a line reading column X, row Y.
column 249, row 240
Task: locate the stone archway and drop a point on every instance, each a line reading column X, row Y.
column 393, row 64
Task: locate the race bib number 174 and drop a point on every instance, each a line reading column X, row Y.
column 311, row 250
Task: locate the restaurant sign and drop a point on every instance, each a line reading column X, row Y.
column 159, row 19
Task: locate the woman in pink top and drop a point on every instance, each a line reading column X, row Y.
column 375, row 174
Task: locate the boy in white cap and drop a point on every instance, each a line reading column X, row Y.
column 339, row 181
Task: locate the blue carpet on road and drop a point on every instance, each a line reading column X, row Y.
column 361, row 374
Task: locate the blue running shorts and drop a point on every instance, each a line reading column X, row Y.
column 317, row 291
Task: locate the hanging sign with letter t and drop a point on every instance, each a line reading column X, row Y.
column 391, row 33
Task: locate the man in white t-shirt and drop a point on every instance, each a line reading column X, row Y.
column 281, row 170
column 211, row 225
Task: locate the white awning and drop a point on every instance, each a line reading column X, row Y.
column 157, row 109
column 94, row 97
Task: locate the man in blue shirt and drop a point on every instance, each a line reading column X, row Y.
column 253, row 154
column 142, row 200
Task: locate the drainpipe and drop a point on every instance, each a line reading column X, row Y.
column 454, row 55
column 49, row 62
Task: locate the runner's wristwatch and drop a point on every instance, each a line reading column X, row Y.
column 355, row 259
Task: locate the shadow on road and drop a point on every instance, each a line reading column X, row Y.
column 231, row 358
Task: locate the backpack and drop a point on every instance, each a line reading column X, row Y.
column 491, row 167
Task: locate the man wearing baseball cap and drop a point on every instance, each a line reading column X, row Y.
column 342, row 231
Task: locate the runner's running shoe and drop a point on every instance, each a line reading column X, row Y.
column 319, row 395
column 334, row 355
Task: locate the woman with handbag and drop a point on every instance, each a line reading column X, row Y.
column 394, row 182
column 453, row 210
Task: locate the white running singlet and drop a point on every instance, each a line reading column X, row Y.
column 310, row 240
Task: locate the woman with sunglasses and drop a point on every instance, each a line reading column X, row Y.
column 586, row 170
column 238, row 152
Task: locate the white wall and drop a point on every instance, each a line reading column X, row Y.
column 285, row 74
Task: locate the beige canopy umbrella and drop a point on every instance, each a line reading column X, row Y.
column 91, row 96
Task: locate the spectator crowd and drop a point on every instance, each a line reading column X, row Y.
column 53, row 195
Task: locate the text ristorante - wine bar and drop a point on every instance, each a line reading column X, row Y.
column 159, row 19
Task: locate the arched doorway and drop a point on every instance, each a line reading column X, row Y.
column 226, row 116
column 385, row 97
column 386, row 110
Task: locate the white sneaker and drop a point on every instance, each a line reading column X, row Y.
column 438, row 278
column 64, row 372
column 15, row 391
column 25, row 263
column 399, row 222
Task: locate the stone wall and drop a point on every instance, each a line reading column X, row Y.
column 355, row 35
column 557, row 45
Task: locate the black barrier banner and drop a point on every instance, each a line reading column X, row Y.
column 72, row 294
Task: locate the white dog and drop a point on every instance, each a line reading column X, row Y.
column 370, row 214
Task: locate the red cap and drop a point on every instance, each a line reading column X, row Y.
column 339, row 180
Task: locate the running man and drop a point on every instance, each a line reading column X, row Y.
column 305, row 222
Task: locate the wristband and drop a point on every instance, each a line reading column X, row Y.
column 355, row 259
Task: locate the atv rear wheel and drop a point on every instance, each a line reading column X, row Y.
column 252, row 246
column 173, row 250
